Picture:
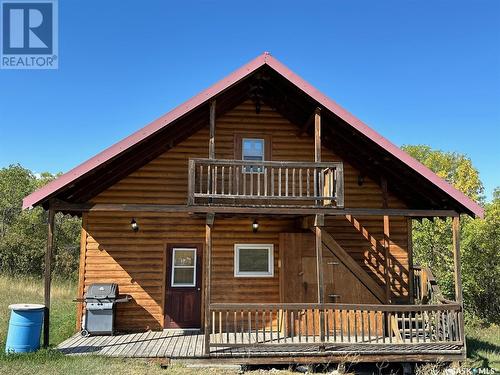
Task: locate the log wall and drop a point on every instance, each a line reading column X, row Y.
column 114, row 253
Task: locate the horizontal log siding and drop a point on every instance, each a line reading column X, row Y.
column 136, row 260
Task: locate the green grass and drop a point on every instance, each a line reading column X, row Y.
column 483, row 346
column 63, row 315
column 30, row 290
column 54, row 363
column 483, row 343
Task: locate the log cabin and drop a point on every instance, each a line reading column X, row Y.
column 260, row 222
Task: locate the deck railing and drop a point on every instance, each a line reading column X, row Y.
column 265, row 183
column 250, row 325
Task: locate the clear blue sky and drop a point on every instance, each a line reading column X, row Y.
column 419, row 72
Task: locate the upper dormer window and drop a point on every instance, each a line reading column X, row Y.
column 252, row 149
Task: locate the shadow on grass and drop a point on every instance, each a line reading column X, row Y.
column 477, row 347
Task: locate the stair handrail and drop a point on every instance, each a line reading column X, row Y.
column 427, row 290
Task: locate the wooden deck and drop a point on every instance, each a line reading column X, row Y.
column 189, row 345
column 151, row 344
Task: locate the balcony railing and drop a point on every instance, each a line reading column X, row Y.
column 265, row 183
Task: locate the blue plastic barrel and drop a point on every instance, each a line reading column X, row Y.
column 25, row 328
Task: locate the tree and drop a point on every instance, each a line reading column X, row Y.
column 481, row 262
column 480, row 237
column 455, row 168
column 15, row 183
column 23, row 234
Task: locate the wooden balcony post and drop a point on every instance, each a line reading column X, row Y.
column 387, row 243
column 339, row 185
column 191, row 182
column 318, row 189
column 211, row 148
column 208, row 259
column 319, row 222
column 48, row 275
column 317, row 135
column 211, row 142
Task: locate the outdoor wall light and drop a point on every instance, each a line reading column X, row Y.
column 134, row 225
column 255, row 226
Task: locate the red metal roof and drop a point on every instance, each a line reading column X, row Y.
column 112, row 152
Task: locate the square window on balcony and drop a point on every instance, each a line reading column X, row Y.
column 252, row 149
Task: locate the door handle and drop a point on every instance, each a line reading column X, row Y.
column 199, row 289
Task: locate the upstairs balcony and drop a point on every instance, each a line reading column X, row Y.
column 265, row 183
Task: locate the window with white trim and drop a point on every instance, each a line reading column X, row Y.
column 253, row 260
column 183, row 267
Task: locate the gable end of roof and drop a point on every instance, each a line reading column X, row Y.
column 70, row 178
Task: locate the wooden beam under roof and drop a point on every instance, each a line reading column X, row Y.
column 278, row 210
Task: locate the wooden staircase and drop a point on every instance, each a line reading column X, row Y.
column 411, row 326
column 343, row 256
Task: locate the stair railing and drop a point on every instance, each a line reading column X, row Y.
column 426, row 292
column 426, row 289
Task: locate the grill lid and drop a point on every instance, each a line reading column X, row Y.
column 102, row 291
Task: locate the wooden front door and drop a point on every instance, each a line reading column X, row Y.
column 183, row 289
column 298, row 277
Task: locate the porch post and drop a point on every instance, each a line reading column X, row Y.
column 208, row 259
column 458, row 273
column 48, row 275
column 81, row 271
column 319, row 222
column 456, row 259
column 411, row 291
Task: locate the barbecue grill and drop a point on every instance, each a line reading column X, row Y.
column 100, row 304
